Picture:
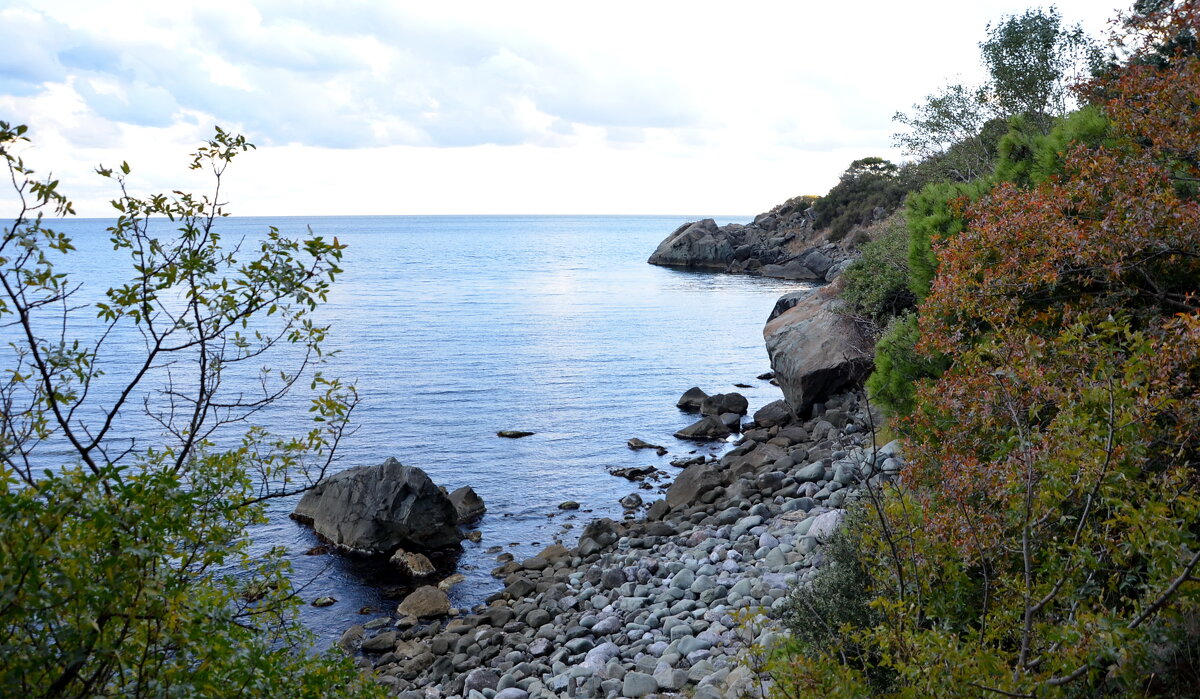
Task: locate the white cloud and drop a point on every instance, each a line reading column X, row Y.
column 541, row 106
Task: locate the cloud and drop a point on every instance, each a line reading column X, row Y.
column 321, row 75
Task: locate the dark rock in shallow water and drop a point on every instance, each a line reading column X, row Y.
column 377, row 509
column 467, row 504
column 513, row 434
column 765, row 376
column 633, row 473
column 691, row 400
column 631, row 501
column 725, row 403
column 636, row 444
column 708, row 428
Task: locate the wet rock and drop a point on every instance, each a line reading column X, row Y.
column 707, row 429
column 633, row 473
column 724, row 403
column 636, row 444
column 412, row 564
column 467, row 504
column 377, row 509
column 691, row 400
column 513, row 434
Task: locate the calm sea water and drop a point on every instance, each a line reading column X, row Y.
column 455, row 327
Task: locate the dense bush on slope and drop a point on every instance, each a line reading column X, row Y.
column 1046, row 538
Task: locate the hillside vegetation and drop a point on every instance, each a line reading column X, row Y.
column 1039, row 350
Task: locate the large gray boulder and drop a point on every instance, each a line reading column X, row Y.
column 377, row 509
column 724, row 403
column 815, row 351
column 693, row 482
column 699, row 244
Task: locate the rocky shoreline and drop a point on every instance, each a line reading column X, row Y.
column 661, row 605
column 667, row 602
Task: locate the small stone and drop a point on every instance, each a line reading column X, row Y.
column 324, row 601
column 513, row 434
column 568, row 505
column 427, row 601
column 416, row 565
column 683, row 579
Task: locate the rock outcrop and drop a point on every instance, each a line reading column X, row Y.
column 814, row 350
column 780, row 243
column 377, row 509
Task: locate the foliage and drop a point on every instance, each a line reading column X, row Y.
column 935, row 213
column 1028, row 157
column 1045, row 536
column 1031, row 60
column 867, row 185
column 948, row 130
column 125, row 568
column 876, row 284
column 824, row 613
column 899, row 367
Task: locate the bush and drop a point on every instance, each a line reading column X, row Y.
column 900, row 367
column 868, row 186
column 1044, row 538
column 876, row 284
column 125, row 567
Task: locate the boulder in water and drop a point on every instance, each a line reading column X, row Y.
column 377, row 509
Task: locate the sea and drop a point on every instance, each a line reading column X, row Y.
column 456, row 327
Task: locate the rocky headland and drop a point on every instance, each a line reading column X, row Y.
column 783, row 243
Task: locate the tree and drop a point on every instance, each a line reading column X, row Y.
column 1032, row 60
column 125, row 497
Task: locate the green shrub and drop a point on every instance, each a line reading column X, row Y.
column 867, row 185
column 899, row 366
column 876, row 284
column 934, row 213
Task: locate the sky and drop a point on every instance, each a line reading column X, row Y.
column 465, row 107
